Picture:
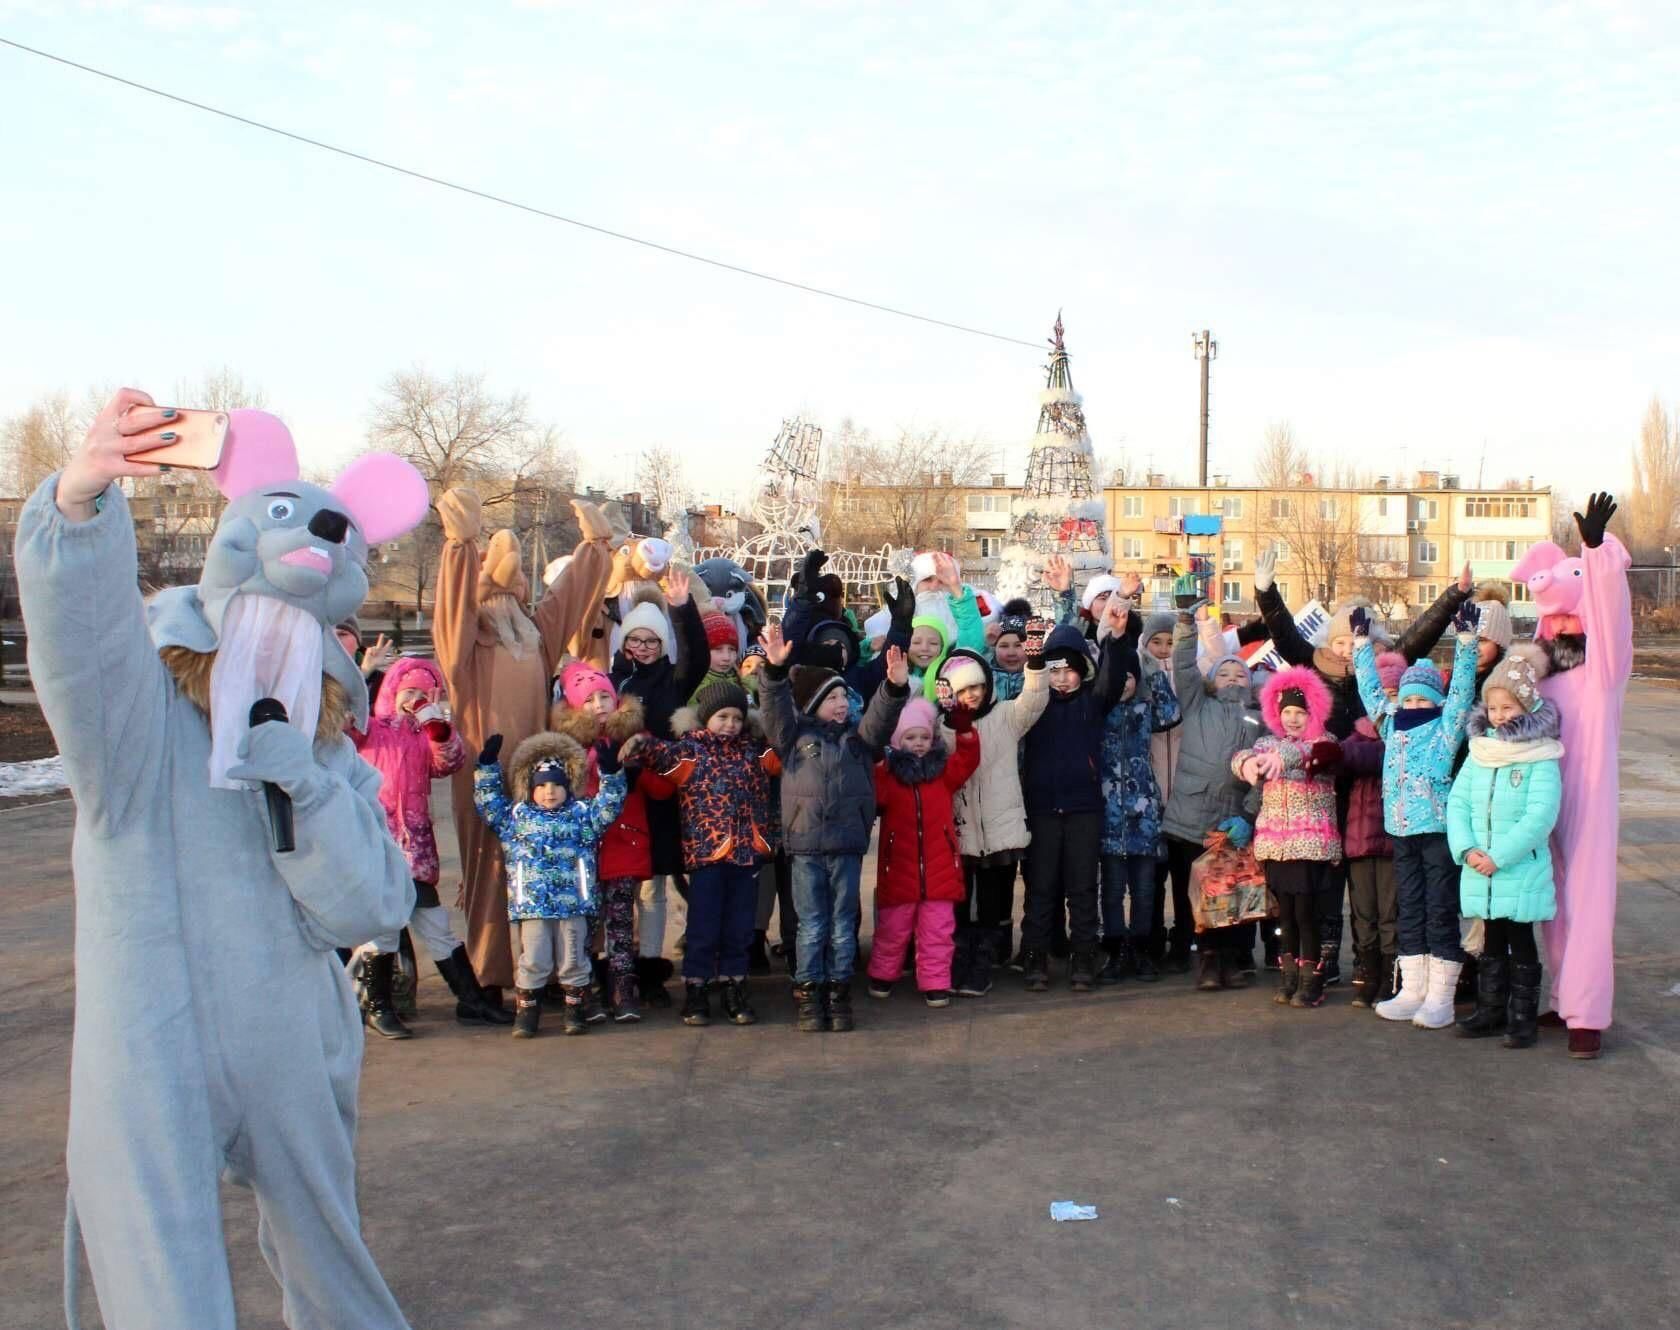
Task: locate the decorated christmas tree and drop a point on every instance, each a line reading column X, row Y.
column 1058, row 509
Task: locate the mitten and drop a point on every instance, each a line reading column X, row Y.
column 809, row 571
column 277, row 754
column 1238, row 831
column 960, row 719
column 491, row 751
column 1467, row 618
column 606, row 758
column 1265, row 570
column 1359, row 619
column 1324, row 753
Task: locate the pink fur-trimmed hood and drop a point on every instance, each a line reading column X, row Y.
column 1318, row 700
column 406, row 672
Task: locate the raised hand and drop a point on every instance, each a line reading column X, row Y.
column 607, row 760
column 810, row 570
column 676, row 587
column 1467, row 618
column 378, row 656
column 898, row 667
column 960, row 719
column 491, row 751
column 1130, row 585
column 901, row 604
column 945, row 569
column 777, row 648
column 1359, row 619
column 103, row 455
column 1464, row 582
column 1037, row 630
column 1265, row 570
column 1116, row 612
column 1058, row 573
column 1600, row 509
column 945, row 695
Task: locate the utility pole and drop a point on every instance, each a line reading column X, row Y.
column 1207, row 350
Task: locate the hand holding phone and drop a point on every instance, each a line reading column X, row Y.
column 174, row 437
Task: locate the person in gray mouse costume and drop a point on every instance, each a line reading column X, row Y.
column 216, row 1035
column 734, row 595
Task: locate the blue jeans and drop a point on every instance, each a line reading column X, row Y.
column 1426, row 891
column 825, row 896
column 1127, row 875
column 722, row 903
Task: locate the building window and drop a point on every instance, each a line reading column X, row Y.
column 1519, row 593
column 1233, row 556
column 1231, row 591
column 1427, row 509
column 1428, row 552
column 1131, row 547
column 1131, row 505
column 1230, row 505
column 1507, row 551
column 1327, row 508
column 1380, row 549
column 1283, row 508
column 1282, row 589
column 1489, row 505
column 1382, row 506
column 1281, row 549
column 1426, row 593
column 1182, row 507
column 991, row 546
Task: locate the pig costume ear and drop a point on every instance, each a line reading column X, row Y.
column 258, row 452
column 384, row 495
column 1540, row 557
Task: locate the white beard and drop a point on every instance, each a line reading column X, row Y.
column 512, row 626
column 268, row 648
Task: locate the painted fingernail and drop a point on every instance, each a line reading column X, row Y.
column 169, row 413
column 168, row 436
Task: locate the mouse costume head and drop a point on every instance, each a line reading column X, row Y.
column 287, row 563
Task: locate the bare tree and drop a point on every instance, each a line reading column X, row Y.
column 905, row 492
column 1281, row 461
column 221, row 389
column 39, row 441
column 1319, row 532
column 1653, row 501
column 664, row 482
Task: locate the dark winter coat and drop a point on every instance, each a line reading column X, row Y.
column 1362, row 762
column 1062, row 755
column 828, row 770
column 1131, row 796
column 918, row 858
column 1205, row 792
column 663, row 689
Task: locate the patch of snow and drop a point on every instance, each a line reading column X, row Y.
column 42, row 776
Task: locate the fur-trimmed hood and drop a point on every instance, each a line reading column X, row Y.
column 1317, row 695
column 406, row 672
column 535, row 749
column 191, row 671
column 909, row 769
column 626, row 719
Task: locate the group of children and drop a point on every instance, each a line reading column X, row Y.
column 1096, row 753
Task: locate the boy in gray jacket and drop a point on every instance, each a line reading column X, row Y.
column 828, row 807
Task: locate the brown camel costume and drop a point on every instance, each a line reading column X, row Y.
column 498, row 665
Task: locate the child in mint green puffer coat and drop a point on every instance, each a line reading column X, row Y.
column 1499, row 820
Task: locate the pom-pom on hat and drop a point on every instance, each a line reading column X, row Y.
column 1390, row 666
column 719, row 631
column 810, row 684
column 715, row 697
column 579, row 681
column 1424, row 680
column 918, row 714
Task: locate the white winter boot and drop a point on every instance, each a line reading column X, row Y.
column 1437, row 1009
column 1414, row 982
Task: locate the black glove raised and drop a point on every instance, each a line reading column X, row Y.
column 1467, row 618
column 1360, row 621
column 810, row 570
column 901, row 604
column 491, row 751
column 606, row 757
column 1600, row 509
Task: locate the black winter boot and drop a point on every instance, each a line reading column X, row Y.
column 1035, row 969
column 652, row 974
column 381, row 1015
column 976, row 979
column 839, row 995
column 758, row 954
column 1142, row 963
column 1467, row 990
column 626, row 999
column 1082, row 969
column 1207, row 975
column 1522, row 1021
column 1288, row 979
column 735, row 1004
column 1309, row 992
column 1234, row 970
column 573, row 1020
column 1114, row 967
column 696, row 1010
column 472, row 1006
column 1178, row 950
column 808, row 1009
column 589, row 1002
column 527, row 1012
column 1386, row 978
column 1367, row 976
column 1493, row 989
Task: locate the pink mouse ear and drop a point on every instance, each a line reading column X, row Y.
column 386, row 496
column 1541, row 555
column 258, row 451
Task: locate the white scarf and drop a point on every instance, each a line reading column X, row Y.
column 267, row 648
column 1488, row 750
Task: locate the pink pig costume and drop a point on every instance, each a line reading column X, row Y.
column 1586, row 632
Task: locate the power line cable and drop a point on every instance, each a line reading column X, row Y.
column 513, row 203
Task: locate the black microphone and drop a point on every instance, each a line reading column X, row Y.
column 263, row 710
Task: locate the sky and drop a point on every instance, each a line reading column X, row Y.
column 1426, row 235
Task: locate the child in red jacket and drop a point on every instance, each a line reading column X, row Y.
column 919, row 873
column 589, row 709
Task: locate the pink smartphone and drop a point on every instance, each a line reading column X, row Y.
column 192, row 440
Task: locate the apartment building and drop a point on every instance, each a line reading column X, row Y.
column 1398, row 546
